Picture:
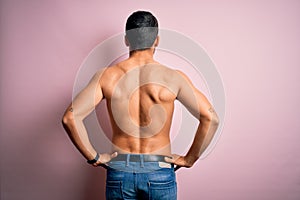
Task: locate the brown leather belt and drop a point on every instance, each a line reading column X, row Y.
column 139, row 158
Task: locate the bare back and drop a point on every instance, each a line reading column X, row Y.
column 140, row 101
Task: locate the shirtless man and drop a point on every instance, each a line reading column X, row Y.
column 140, row 95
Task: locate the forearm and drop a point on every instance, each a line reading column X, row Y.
column 78, row 135
column 203, row 137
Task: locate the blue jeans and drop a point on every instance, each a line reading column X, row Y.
column 140, row 180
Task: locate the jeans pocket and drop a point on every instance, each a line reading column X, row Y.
column 163, row 190
column 114, row 190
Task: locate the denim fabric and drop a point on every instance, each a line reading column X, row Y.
column 140, row 180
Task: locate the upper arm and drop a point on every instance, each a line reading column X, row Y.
column 84, row 103
column 194, row 100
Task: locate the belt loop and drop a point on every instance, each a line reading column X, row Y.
column 127, row 160
column 142, row 160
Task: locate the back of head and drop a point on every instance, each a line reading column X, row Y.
column 141, row 30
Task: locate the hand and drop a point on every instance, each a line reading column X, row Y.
column 179, row 161
column 105, row 158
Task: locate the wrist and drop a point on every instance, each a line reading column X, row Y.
column 92, row 161
column 190, row 159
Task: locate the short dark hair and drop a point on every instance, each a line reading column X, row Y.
column 141, row 30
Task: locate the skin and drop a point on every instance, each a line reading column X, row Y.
column 140, row 95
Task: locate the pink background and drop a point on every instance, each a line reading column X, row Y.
column 254, row 44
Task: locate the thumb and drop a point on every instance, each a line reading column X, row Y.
column 169, row 160
column 115, row 154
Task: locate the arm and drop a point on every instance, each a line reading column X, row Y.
column 83, row 104
column 199, row 107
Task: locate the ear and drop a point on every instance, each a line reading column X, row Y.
column 126, row 41
column 156, row 42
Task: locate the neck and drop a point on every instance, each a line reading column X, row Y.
column 142, row 56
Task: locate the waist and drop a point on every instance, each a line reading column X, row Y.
column 158, row 145
column 139, row 163
column 140, row 158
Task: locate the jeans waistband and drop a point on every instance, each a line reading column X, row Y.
column 139, row 163
column 140, row 158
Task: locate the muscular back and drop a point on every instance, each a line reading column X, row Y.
column 140, row 96
column 140, row 101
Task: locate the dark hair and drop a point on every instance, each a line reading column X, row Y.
column 141, row 30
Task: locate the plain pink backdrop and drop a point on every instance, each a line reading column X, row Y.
column 254, row 44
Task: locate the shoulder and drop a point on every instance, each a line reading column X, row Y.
column 110, row 73
column 182, row 76
column 178, row 80
column 174, row 75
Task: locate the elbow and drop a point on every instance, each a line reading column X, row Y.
column 211, row 119
column 67, row 119
column 215, row 120
column 215, row 123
